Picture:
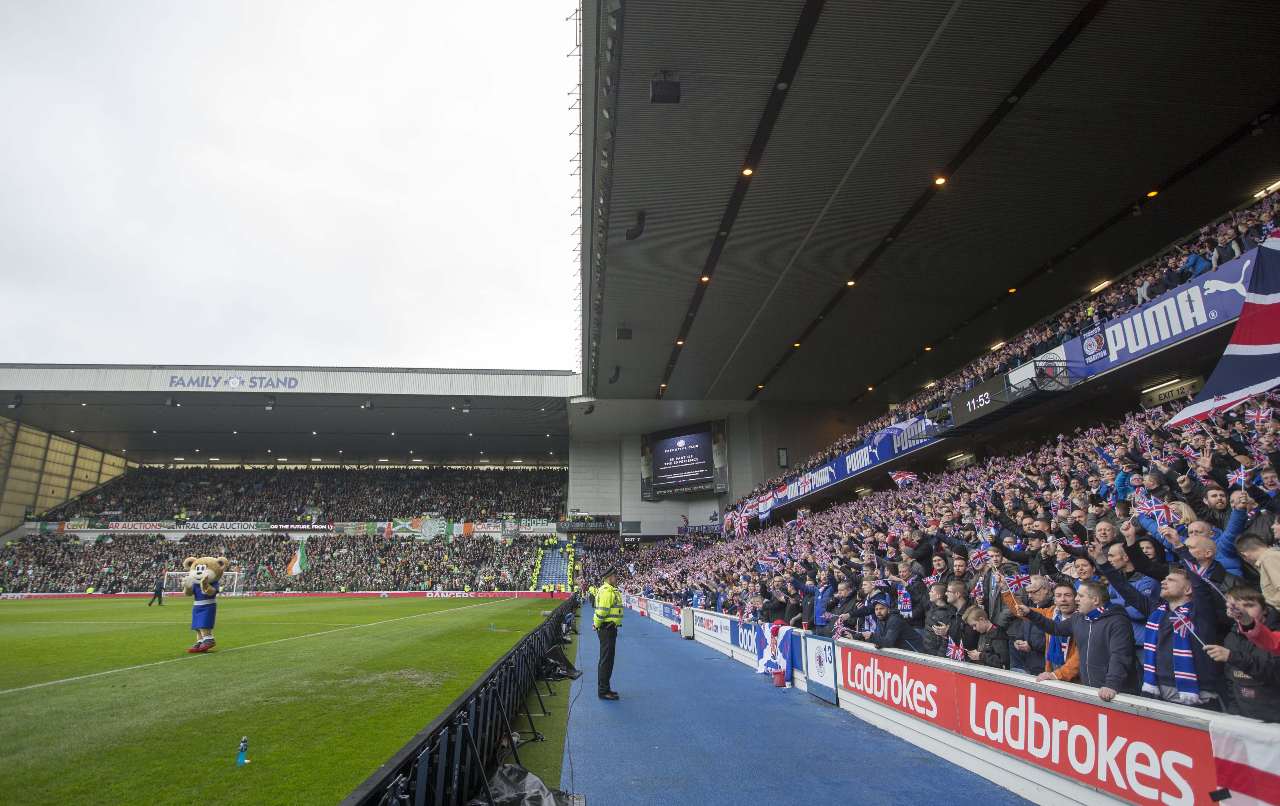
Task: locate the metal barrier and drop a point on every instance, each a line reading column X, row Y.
column 448, row 762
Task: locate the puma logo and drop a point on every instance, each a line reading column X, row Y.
column 1212, row 286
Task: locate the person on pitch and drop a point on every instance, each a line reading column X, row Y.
column 606, row 621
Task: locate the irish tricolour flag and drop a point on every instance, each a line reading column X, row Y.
column 299, row 562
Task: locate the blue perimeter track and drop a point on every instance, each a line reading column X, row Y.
column 696, row 727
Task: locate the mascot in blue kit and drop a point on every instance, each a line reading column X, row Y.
column 202, row 582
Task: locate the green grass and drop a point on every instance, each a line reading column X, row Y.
column 356, row 680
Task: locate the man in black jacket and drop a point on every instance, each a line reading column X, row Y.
column 937, row 621
column 1180, row 588
column 1027, row 641
column 1252, row 672
column 891, row 631
column 1102, row 636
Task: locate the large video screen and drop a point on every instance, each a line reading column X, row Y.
column 684, row 461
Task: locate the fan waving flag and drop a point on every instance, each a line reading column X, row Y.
column 299, row 562
column 902, row 478
column 1250, row 365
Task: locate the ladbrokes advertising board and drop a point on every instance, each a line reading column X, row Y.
column 1133, row 758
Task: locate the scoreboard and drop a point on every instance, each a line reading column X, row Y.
column 981, row 400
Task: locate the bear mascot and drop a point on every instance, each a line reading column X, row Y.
column 202, row 582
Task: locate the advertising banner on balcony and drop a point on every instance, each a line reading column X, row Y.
column 1192, row 308
column 820, row 667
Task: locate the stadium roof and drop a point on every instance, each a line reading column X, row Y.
column 260, row 415
column 1051, row 123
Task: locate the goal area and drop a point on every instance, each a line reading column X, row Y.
column 231, row 583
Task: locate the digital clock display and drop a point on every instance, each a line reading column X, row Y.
column 979, row 401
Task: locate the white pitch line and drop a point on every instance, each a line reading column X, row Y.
column 246, row 646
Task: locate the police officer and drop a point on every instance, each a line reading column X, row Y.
column 607, row 620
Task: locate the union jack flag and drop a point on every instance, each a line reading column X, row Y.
column 903, row 477
column 1259, row 416
column 930, row 580
column 1189, row 452
column 1017, row 582
column 1182, row 623
column 978, row 559
column 954, row 651
column 1238, row 476
column 979, row 589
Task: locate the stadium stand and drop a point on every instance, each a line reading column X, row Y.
column 128, row 562
column 1214, row 244
column 1189, row 516
column 284, row 495
column 554, row 569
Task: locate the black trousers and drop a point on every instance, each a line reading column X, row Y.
column 608, row 640
column 156, row 596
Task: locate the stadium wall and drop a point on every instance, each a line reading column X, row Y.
column 604, row 479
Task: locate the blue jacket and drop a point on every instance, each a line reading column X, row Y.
column 820, row 597
column 1196, row 264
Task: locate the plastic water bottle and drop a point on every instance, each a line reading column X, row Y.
column 241, row 754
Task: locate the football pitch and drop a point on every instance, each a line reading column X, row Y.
column 99, row 702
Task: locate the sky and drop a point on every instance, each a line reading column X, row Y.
column 289, row 183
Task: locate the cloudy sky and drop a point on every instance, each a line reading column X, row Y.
column 352, row 184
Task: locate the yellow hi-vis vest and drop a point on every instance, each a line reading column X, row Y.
column 608, row 606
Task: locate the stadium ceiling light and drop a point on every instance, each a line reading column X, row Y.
column 516, row 461
column 1151, row 194
column 795, row 345
column 748, row 171
column 940, row 181
column 197, row 450
column 548, row 436
column 416, row 460
column 997, row 346
column 179, row 459
column 482, row 453
column 393, row 433
column 313, row 433
column 662, row 386
column 930, row 384
column 268, row 450
column 82, row 405
column 851, row 283
column 484, row 460
column 871, row 388
column 1099, row 286
column 382, row 460
column 154, row 431
column 466, row 411
column 705, row 278
column 271, row 403
column 1268, row 189
column 679, row 343
column 214, row 459
column 315, row 459
column 759, row 386
column 72, row 431
column 928, row 349
column 235, row 433
column 955, row 456
column 1013, row 290
column 339, row 450
column 282, row 458
column 1161, row 385
column 366, row 404
column 551, row 453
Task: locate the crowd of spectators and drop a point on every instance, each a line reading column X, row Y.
column 1211, row 247
column 133, row 562
column 280, row 495
column 1126, row 557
